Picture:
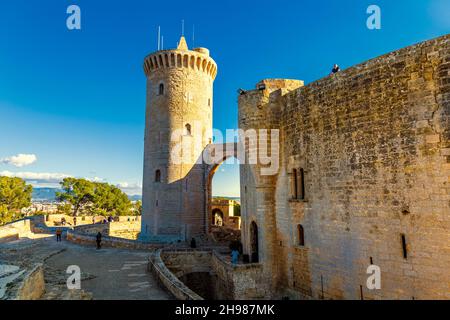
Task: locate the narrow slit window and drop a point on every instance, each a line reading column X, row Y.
column 161, row 89
column 294, row 184
column 301, row 235
column 404, row 248
column 301, row 184
column 158, row 176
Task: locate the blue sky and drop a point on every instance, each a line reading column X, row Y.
column 76, row 99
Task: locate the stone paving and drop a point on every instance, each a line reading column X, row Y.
column 105, row 274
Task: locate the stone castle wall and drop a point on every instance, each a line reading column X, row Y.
column 374, row 145
column 195, row 275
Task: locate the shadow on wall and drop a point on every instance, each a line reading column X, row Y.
column 197, row 198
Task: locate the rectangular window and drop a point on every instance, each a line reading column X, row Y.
column 298, row 184
column 294, row 184
column 301, row 184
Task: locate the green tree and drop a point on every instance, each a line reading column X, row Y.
column 94, row 197
column 110, row 199
column 237, row 210
column 8, row 216
column 15, row 194
column 64, row 208
column 137, row 208
column 78, row 192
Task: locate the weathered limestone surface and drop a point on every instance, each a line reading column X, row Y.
column 239, row 281
column 179, row 98
column 120, row 229
column 126, row 229
column 109, row 242
column 168, row 279
column 210, row 271
column 15, row 230
column 374, row 143
column 33, row 285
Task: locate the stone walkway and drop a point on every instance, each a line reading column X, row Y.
column 106, row 274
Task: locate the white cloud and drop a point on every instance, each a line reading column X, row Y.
column 52, row 180
column 36, row 178
column 20, row 160
column 96, row 179
column 130, row 188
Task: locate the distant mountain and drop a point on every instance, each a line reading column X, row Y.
column 49, row 195
column 228, row 198
column 135, row 197
column 45, row 194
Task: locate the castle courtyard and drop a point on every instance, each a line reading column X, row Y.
column 267, row 152
column 107, row 274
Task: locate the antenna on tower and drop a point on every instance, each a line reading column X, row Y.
column 193, row 36
column 162, row 42
column 182, row 28
column 159, row 38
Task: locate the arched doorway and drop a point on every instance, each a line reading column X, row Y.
column 218, row 217
column 224, row 178
column 254, row 249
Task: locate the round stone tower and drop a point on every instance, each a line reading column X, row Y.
column 178, row 128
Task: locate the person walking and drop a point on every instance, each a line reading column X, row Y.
column 98, row 238
column 58, row 235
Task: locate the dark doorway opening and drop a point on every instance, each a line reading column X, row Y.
column 254, row 242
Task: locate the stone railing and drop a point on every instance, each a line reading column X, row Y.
column 22, row 284
column 118, row 229
column 232, row 281
column 92, row 229
column 239, row 281
column 125, row 229
column 55, row 219
column 32, row 287
column 168, row 280
column 109, row 242
column 15, row 230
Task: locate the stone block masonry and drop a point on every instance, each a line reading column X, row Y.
column 208, row 271
column 179, row 100
column 364, row 179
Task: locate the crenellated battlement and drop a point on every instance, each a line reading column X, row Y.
column 197, row 59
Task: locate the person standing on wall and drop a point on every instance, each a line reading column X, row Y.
column 335, row 69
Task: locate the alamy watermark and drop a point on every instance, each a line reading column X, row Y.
column 73, row 21
column 374, row 280
column 374, row 20
column 74, row 280
column 252, row 146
